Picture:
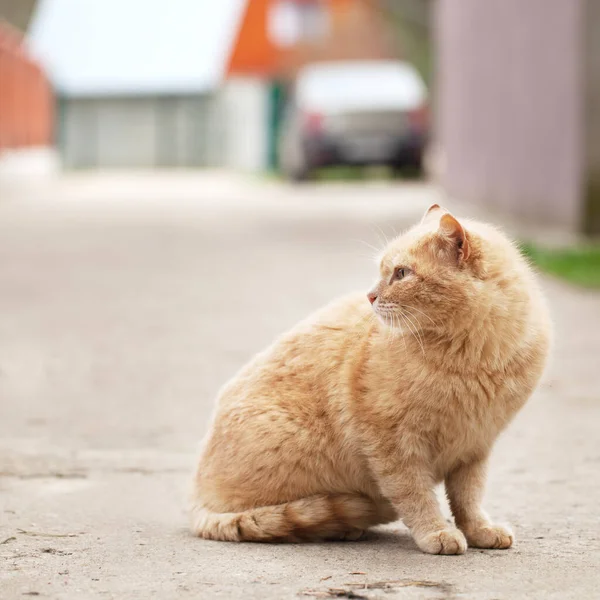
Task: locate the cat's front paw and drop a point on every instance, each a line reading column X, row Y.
column 490, row 536
column 445, row 541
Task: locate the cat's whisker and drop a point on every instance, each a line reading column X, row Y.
column 400, row 331
column 380, row 235
column 383, row 234
column 418, row 323
column 369, row 257
column 379, row 240
column 415, row 335
column 400, row 316
column 397, row 327
column 366, row 318
column 404, row 318
column 389, row 336
column 418, row 328
column 393, row 331
column 374, row 248
column 409, row 306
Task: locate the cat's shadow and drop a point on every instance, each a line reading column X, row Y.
column 400, row 540
column 380, row 538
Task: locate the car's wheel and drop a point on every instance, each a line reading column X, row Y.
column 412, row 169
column 297, row 168
column 302, row 171
column 300, row 175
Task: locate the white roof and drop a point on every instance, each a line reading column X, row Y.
column 124, row 47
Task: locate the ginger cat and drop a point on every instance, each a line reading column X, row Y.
column 351, row 419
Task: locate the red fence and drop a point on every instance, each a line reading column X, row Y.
column 26, row 102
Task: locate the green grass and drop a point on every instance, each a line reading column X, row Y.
column 579, row 265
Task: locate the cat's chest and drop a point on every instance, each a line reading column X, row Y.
column 454, row 416
column 463, row 417
column 455, row 411
column 461, row 436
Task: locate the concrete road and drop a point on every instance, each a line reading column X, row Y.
column 126, row 301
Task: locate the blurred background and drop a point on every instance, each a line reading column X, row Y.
column 183, row 180
column 502, row 110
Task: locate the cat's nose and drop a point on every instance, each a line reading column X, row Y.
column 372, row 296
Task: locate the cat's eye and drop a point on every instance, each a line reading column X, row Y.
column 400, row 273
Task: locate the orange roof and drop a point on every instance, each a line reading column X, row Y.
column 253, row 51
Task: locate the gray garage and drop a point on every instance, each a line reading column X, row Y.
column 155, row 131
column 140, row 85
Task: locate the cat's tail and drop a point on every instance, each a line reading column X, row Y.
column 332, row 516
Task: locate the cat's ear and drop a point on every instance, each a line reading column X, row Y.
column 434, row 211
column 452, row 230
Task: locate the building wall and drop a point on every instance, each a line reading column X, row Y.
column 138, row 132
column 226, row 129
column 26, row 104
column 510, row 105
column 243, row 115
column 339, row 29
column 357, row 29
column 591, row 216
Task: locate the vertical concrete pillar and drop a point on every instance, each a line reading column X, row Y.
column 590, row 222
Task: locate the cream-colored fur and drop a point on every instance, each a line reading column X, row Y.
column 351, row 419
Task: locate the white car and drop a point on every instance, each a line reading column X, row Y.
column 354, row 113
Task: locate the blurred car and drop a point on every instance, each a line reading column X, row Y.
column 354, row 113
